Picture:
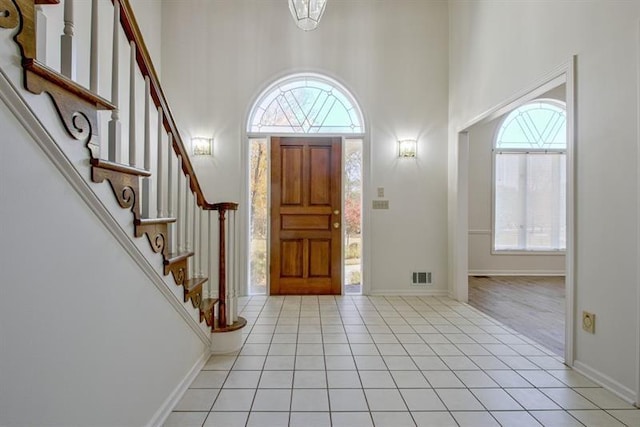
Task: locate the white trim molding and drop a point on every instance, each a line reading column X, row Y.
column 605, row 381
column 516, row 273
column 167, row 406
column 28, row 119
column 459, row 235
column 480, row 232
column 638, row 234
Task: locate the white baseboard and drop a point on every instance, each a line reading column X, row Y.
column 410, row 292
column 516, row 272
column 605, row 381
column 163, row 413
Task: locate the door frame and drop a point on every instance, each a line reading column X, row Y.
column 459, row 250
column 244, row 236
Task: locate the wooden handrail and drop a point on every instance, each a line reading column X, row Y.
column 133, row 33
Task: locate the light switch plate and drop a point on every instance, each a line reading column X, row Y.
column 380, row 191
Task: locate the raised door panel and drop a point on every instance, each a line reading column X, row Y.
column 292, row 175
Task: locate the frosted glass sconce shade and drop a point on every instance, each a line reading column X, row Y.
column 307, row 13
column 202, row 146
column 407, row 148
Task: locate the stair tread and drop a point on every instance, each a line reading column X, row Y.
column 119, row 167
column 154, row 221
column 208, row 303
column 174, row 257
column 65, row 83
column 239, row 324
column 194, row 282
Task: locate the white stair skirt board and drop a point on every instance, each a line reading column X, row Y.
column 164, row 411
column 226, row 342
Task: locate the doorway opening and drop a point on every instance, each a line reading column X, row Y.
column 292, row 116
column 516, row 251
column 351, row 217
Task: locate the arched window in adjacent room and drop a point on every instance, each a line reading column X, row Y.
column 530, row 179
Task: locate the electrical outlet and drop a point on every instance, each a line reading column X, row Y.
column 589, row 322
column 380, row 191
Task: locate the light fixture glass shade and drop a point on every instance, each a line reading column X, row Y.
column 202, row 146
column 307, row 13
column 407, row 148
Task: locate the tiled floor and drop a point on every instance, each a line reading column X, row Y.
column 389, row 361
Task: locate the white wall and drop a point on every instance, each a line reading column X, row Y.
column 148, row 14
column 481, row 259
column 86, row 338
column 393, row 57
column 500, row 48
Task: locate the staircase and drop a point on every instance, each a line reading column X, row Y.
column 161, row 191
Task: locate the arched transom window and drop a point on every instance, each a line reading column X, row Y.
column 306, row 104
column 534, row 126
column 530, row 179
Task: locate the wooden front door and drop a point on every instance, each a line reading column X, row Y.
column 306, row 195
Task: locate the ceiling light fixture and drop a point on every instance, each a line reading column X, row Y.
column 307, row 13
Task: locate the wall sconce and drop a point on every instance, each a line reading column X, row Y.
column 202, row 146
column 407, row 148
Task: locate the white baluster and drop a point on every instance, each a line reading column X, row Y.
column 93, row 67
column 187, row 217
column 67, row 43
column 234, row 282
column 229, row 273
column 210, row 252
column 196, row 216
column 201, row 257
column 115, row 130
column 146, row 181
column 160, row 171
column 132, row 105
column 228, row 267
column 170, row 210
column 41, row 34
column 187, row 238
column 179, row 216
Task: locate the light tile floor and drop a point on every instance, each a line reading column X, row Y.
column 389, row 361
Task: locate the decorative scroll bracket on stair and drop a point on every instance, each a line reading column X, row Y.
column 156, row 230
column 177, row 266
column 123, row 180
column 206, row 311
column 76, row 106
column 193, row 290
column 8, row 14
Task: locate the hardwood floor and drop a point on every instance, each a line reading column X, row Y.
column 533, row 306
